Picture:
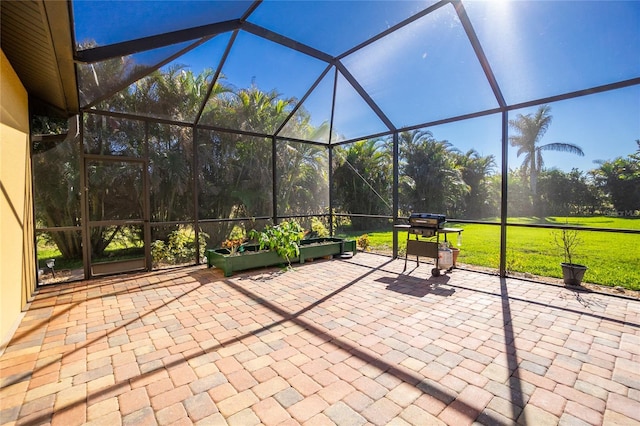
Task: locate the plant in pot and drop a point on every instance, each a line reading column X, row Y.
column 275, row 245
column 234, row 245
column 569, row 240
column 283, row 238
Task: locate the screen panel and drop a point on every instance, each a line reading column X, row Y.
column 576, row 157
column 56, row 182
column 362, row 182
column 59, row 256
column 539, row 48
column 344, row 24
column 170, row 172
column 302, row 178
column 107, row 135
column 107, row 22
column 235, row 178
column 475, row 151
column 424, row 72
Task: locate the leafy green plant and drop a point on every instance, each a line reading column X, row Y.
column 283, row 238
column 238, row 233
column 318, row 228
column 363, row 242
column 159, row 251
column 179, row 248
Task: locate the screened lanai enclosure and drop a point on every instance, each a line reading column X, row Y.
column 202, row 120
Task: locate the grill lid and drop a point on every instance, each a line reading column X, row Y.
column 427, row 220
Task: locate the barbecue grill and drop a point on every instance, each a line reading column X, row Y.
column 428, row 226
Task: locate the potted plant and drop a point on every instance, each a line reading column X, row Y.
column 283, row 238
column 568, row 240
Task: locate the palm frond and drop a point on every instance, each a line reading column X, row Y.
column 562, row 147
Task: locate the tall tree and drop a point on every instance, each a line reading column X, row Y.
column 476, row 171
column 430, row 179
column 566, row 193
column 531, row 129
column 56, row 189
column 362, row 178
column 619, row 179
column 303, row 183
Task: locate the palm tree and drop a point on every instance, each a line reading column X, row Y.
column 362, row 179
column 532, row 128
column 619, row 180
column 430, row 179
column 303, row 183
column 476, row 172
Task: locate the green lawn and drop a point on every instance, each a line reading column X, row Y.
column 50, row 251
column 613, row 259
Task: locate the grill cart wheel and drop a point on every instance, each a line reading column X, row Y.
column 435, row 272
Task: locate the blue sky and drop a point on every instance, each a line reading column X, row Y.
column 427, row 71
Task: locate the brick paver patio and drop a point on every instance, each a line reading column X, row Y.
column 347, row 342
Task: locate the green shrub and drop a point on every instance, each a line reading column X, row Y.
column 363, row 242
column 179, row 248
column 318, row 228
column 238, row 233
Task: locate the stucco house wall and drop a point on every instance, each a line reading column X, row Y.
column 17, row 271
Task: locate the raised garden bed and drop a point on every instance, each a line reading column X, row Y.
column 252, row 257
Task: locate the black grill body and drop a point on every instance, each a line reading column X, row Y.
column 427, row 220
column 426, row 224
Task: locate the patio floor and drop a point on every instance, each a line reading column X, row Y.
column 347, row 342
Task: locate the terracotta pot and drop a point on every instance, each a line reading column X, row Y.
column 456, row 252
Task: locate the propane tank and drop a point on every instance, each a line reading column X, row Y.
column 445, row 256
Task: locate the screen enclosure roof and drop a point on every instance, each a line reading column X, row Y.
column 350, row 69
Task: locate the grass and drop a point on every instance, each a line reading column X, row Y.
column 50, row 251
column 613, row 258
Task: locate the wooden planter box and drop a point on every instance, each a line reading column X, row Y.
column 314, row 248
column 252, row 257
column 118, row 266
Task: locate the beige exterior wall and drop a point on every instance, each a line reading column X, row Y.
column 17, row 268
